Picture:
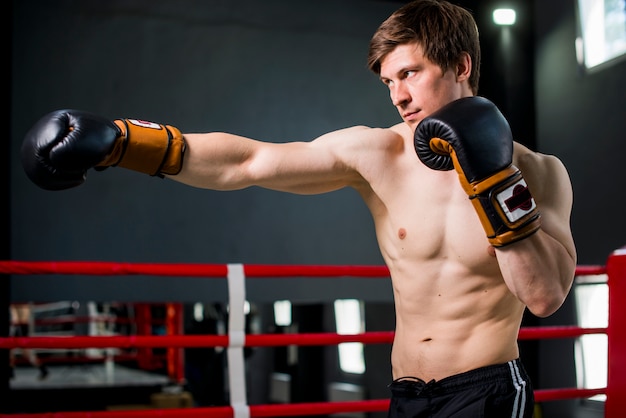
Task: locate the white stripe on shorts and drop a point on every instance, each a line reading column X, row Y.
column 520, row 388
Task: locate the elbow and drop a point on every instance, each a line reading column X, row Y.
column 545, row 305
column 548, row 296
column 543, row 310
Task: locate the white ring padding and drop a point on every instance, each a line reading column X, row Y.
column 236, row 341
column 240, row 410
column 236, row 338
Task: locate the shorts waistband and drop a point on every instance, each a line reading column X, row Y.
column 511, row 372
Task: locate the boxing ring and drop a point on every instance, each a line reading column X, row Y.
column 236, row 339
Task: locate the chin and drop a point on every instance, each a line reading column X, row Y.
column 413, row 123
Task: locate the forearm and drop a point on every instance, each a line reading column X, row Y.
column 539, row 270
column 215, row 161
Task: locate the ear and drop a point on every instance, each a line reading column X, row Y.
column 464, row 67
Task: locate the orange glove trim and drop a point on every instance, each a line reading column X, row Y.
column 147, row 147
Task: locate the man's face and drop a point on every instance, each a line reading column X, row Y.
column 417, row 86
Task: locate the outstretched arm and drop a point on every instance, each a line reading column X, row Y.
column 63, row 145
column 223, row 161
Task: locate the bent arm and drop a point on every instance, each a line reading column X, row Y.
column 222, row 161
column 540, row 269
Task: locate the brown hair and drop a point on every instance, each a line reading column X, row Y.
column 443, row 30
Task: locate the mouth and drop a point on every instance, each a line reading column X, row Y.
column 410, row 116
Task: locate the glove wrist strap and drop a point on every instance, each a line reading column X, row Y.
column 147, row 147
column 506, row 208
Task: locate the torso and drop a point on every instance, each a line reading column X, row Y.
column 454, row 312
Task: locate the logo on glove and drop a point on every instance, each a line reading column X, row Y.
column 516, row 201
column 145, row 124
column 521, row 199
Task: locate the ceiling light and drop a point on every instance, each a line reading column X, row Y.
column 504, row 17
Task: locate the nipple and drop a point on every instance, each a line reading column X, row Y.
column 402, row 233
column 491, row 251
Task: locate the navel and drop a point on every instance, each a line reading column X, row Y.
column 402, row 233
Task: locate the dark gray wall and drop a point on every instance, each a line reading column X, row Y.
column 272, row 70
column 581, row 117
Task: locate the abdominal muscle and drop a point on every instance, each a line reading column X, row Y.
column 454, row 311
column 449, row 322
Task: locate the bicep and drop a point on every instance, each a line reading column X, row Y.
column 300, row 167
column 550, row 184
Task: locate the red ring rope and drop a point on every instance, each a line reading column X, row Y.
column 255, row 340
column 278, row 410
column 103, row 268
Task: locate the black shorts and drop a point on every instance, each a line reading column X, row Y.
column 501, row 391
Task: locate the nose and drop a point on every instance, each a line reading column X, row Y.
column 400, row 95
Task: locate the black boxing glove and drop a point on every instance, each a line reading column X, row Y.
column 472, row 136
column 59, row 149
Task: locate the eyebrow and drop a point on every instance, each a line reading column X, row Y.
column 400, row 71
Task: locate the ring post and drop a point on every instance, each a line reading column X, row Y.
column 143, row 317
column 616, row 379
column 175, row 356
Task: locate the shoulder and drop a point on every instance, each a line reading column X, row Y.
column 363, row 150
column 535, row 163
column 366, row 135
column 546, row 175
column 357, row 143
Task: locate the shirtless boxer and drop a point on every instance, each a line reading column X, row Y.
column 463, row 267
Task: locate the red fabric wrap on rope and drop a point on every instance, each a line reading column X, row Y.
column 103, row 268
column 309, row 408
column 255, row 340
column 182, row 341
column 279, row 410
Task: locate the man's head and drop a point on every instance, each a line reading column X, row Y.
column 443, row 30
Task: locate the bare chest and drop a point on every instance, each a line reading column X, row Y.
column 422, row 215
